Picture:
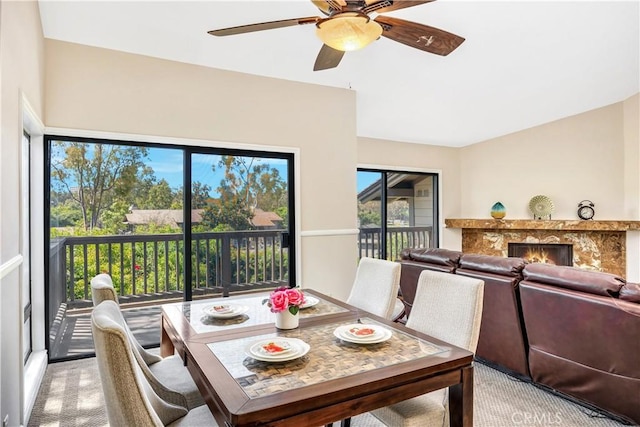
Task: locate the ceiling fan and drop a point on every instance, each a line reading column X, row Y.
column 348, row 26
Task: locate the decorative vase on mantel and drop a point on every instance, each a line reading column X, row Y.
column 498, row 211
column 286, row 320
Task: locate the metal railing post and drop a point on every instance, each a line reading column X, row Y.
column 225, row 264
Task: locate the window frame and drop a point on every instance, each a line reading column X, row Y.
column 184, row 145
column 384, row 172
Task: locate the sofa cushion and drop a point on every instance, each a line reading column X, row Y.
column 593, row 282
column 630, row 292
column 437, row 256
column 493, row 264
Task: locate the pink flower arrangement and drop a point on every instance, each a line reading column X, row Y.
column 284, row 298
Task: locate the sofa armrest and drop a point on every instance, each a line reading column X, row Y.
column 630, row 292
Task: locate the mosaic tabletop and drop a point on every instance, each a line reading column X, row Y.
column 328, row 358
column 256, row 313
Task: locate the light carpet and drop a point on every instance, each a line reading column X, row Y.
column 71, row 395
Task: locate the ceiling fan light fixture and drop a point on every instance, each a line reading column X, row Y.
column 348, row 31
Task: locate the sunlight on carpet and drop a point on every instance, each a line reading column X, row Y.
column 71, row 395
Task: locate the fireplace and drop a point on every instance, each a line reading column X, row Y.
column 550, row 253
column 597, row 245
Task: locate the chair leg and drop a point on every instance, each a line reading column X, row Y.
column 346, row 422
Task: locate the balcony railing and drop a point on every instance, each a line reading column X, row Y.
column 146, row 267
column 398, row 238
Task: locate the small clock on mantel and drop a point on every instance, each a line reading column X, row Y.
column 585, row 209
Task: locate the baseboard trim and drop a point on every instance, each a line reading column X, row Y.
column 34, row 372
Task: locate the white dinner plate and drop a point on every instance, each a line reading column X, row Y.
column 346, row 333
column 225, row 311
column 309, row 302
column 293, row 348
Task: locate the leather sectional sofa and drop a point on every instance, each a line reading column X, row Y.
column 572, row 331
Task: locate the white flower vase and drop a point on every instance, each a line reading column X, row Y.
column 286, row 320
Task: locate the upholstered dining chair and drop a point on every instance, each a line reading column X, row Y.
column 129, row 398
column 102, row 289
column 376, row 285
column 447, row 307
column 167, row 375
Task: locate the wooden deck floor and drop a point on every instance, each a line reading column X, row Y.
column 74, row 337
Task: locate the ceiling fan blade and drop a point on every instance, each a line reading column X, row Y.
column 264, row 26
column 389, row 5
column 328, row 6
column 419, row 36
column 327, row 58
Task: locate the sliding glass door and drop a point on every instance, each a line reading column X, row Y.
column 396, row 210
column 121, row 208
column 241, row 221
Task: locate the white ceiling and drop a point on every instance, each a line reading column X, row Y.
column 523, row 63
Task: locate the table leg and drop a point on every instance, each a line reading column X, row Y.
column 166, row 345
column 461, row 400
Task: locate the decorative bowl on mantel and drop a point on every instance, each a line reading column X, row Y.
column 541, row 207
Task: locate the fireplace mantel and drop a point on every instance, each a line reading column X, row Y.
column 543, row 224
column 597, row 245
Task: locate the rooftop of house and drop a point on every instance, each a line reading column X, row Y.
column 174, row 217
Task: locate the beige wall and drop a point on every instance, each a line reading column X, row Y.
column 632, row 182
column 21, row 76
column 594, row 155
column 419, row 157
column 631, row 114
column 96, row 89
column 576, row 158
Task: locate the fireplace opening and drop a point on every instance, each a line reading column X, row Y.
column 550, row 253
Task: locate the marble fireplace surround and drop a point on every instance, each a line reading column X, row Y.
column 597, row 245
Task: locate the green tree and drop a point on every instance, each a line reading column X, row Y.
column 112, row 219
column 96, row 175
column 247, row 184
column 369, row 213
column 158, row 196
column 227, row 215
column 143, row 191
column 398, row 211
column 65, row 214
column 283, row 212
column 271, row 190
column 255, row 184
column 200, row 196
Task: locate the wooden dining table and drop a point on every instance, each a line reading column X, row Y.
column 336, row 379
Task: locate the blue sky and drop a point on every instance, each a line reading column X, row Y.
column 168, row 164
column 365, row 179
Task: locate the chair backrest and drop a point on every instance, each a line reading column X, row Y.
column 129, row 398
column 375, row 288
column 448, row 307
column 102, row 289
column 142, row 356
